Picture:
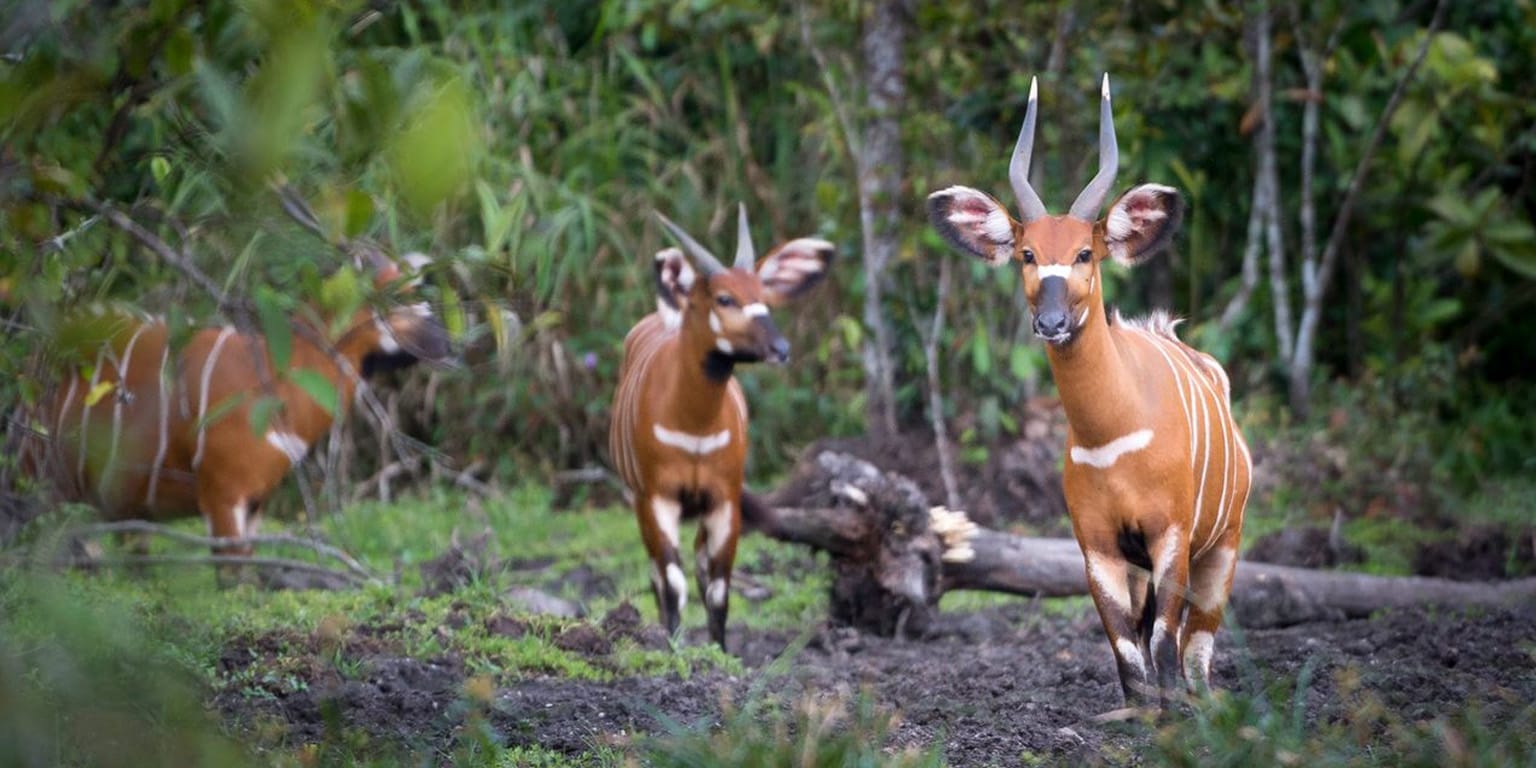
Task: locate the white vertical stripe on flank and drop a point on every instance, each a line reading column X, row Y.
column 117, row 411
column 1205, row 452
column 202, row 397
column 1189, row 419
column 165, row 425
column 85, row 413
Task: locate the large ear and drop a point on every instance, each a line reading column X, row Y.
column 794, row 268
column 974, row 222
column 1141, row 222
column 674, row 279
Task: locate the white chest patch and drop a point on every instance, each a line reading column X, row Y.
column 1107, row 454
column 698, row 445
column 291, row 445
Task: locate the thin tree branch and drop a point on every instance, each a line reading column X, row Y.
column 356, row 568
column 1319, row 279
column 935, row 389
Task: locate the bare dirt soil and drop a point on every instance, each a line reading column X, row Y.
column 989, row 686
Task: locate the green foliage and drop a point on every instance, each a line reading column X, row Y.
column 526, row 148
column 817, row 733
column 1275, row 728
column 89, row 683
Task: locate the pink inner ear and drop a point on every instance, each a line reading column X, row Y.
column 970, row 209
column 1143, row 209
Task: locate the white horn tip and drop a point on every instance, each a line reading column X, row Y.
column 1033, row 88
column 1105, row 90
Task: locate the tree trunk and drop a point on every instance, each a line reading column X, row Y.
column 893, row 556
column 879, row 162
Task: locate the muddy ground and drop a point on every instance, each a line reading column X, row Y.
column 989, row 686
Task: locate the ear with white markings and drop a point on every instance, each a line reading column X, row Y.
column 1142, row 222
column 674, row 279
column 974, row 222
column 794, row 268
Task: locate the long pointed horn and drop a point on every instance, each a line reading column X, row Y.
column 1087, row 205
column 1030, row 206
column 702, row 258
column 746, row 255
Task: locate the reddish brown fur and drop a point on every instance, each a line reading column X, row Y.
column 1157, row 473
column 675, row 380
column 134, row 452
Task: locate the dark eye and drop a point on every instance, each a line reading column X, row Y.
column 725, row 300
column 1029, row 256
column 1084, row 256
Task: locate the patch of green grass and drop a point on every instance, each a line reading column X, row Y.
column 1389, row 544
column 1274, row 728
column 814, row 732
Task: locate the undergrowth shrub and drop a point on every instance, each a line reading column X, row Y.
column 813, row 733
column 1239, row 729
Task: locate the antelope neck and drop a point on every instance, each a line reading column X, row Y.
column 697, row 381
column 1098, row 391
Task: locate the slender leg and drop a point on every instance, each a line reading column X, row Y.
column 659, row 517
column 1109, row 586
column 717, row 534
column 226, row 518
column 1210, row 582
column 1170, row 577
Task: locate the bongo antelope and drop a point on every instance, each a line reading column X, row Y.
column 1157, row 471
column 144, row 430
column 678, row 433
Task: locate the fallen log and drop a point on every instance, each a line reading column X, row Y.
column 893, row 556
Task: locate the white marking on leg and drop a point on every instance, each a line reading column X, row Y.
column 165, row 427
column 667, row 513
column 1159, row 632
column 715, row 595
column 1132, row 655
column 1208, row 579
column 1105, row 456
column 240, row 512
column 755, row 309
column 292, row 446
column 1108, row 574
column 1165, row 555
column 724, row 345
column 698, row 445
column 1054, row 270
column 718, row 528
column 679, row 584
column 1197, row 658
column 202, row 397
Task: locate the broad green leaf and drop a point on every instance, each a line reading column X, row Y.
column 272, row 313
column 1521, row 258
column 1452, row 207
column 261, row 413
column 318, row 387
column 1508, row 232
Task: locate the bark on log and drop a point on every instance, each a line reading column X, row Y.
column 893, row 557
